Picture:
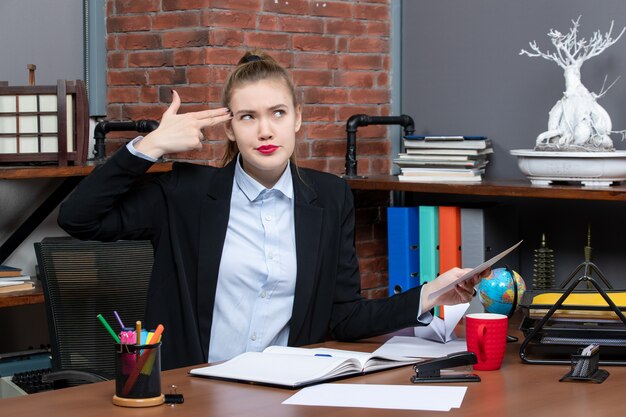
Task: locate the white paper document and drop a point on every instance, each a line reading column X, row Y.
column 442, row 330
column 479, row 269
column 398, row 397
column 416, row 347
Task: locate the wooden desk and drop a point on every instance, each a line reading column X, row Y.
column 515, row 390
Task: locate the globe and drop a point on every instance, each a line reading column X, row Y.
column 497, row 292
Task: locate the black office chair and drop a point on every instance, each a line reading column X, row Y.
column 82, row 279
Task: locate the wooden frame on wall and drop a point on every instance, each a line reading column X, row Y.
column 40, row 124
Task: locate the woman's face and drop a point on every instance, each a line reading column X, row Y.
column 264, row 125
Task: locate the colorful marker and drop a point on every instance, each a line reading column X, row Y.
column 119, row 320
column 109, row 329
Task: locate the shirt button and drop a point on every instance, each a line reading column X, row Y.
column 268, row 218
column 253, row 337
column 263, row 294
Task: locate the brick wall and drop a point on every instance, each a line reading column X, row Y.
column 337, row 52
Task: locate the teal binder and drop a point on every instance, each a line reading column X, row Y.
column 403, row 248
column 429, row 243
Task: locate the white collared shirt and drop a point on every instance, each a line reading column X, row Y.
column 257, row 274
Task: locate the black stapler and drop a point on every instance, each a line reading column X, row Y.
column 430, row 370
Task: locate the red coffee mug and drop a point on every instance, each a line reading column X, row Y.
column 486, row 337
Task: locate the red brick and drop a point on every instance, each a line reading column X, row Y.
column 122, row 94
column 378, row 29
column 339, row 27
column 371, row 12
column 331, row 9
column 326, row 131
column 200, row 75
column 374, row 96
column 318, row 164
column 380, row 166
column 142, row 111
column 267, row 22
column 191, row 56
column 382, row 80
column 368, row 45
column 308, row 77
column 175, row 20
column 185, row 39
column 354, row 79
column 302, row 150
column 225, row 37
column 293, row 7
column 327, row 148
column 111, row 41
column 150, row 59
column 220, row 74
column 319, row 61
column 318, row 113
column 117, row 24
column 139, row 41
column 149, row 94
column 361, row 62
column 184, row 4
column 134, row 6
column 342, row 44
column 313, row 43
column 166, row 76
column 116, row 60
column 126, row 77
column 266, row 40
column 114, row 112
column 252, row 5
column 373, row 147
column 326, row 95
column 228, row 19
column 301, row 24
column 216, row 56
column 373, row 132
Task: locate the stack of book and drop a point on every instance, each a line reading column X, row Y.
column 11, row 279
column 444, row 158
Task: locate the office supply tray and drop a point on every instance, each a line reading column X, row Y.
column 554, row 332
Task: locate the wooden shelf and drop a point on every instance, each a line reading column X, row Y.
column 496, row 188
column 17, row 298
column 28, row 172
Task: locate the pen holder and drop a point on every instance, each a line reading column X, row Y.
column 585, row 368
column 138, row 375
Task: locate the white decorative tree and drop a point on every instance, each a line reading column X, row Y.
column 576, row 122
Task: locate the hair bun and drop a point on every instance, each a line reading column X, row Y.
column 252, row 58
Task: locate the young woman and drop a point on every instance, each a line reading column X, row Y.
column 256, row 253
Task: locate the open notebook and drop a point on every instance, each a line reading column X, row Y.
column 297, row 367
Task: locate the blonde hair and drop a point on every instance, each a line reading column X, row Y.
column 253, row 66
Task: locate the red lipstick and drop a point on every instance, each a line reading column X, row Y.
column 267, row 149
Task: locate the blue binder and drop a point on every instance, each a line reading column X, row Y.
column 403, row 248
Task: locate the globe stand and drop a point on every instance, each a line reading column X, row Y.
column 510, row 338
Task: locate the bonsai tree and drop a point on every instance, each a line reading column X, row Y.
column 576, row 122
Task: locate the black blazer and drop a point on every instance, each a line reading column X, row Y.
column 185, row 214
